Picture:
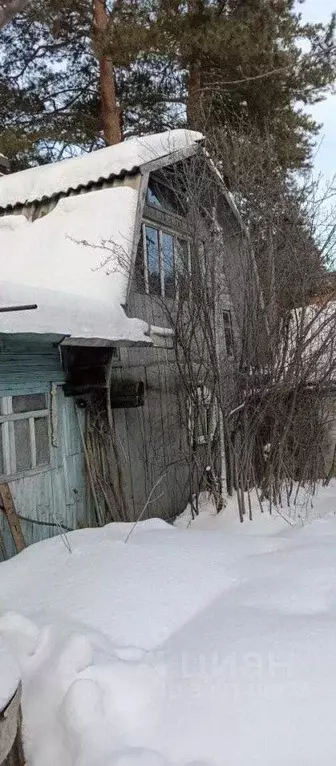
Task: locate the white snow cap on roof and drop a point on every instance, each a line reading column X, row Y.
column 48, row 180
column 59, row 263
column 68, row 316
column 50, row 252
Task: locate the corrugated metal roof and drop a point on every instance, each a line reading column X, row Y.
column 48, row 180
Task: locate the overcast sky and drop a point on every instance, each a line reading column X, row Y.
column 325, row 112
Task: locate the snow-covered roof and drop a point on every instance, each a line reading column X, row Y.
column 124, row 158
column 59, row 263
column 50, row 252
column 69, row 317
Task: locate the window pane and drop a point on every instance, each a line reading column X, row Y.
column 42, row 441
column 168, row 264
column 22, row 445
column 162, row 197
column 29, row 402
column 153, row 264
column 153, row 197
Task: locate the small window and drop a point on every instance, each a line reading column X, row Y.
column 166, row 261
column 228, row 333
column 24, row 433
column 163, row 198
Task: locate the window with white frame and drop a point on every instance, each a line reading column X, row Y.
column 24, row 433
column 166, row 260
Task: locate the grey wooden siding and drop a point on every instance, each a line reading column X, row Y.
column 28, row 366
column 154, row 439
column 329, row 414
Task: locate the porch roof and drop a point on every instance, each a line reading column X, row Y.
column 68, row 318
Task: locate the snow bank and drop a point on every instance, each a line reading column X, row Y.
column 181, row 647
column 127, row 157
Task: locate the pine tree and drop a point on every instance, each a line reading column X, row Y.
column 211, row 64
column 228, row 62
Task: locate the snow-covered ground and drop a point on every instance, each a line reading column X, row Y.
column 204, row 644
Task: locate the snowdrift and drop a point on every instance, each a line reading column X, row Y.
column 200, row 646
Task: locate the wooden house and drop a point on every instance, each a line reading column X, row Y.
column 92, row 243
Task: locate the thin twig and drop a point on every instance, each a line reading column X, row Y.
column 147, row 503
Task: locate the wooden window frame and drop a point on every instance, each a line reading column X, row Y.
column 7, row 437
column 175, row 236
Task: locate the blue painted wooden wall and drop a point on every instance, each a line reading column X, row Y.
column 56, row 494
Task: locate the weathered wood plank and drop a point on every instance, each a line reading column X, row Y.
column 12, row 517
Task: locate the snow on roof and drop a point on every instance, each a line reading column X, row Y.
column 48, row 180
column 50, row 252
column 79, row 288
column 69, row 316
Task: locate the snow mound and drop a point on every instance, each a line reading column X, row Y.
column 181, row 647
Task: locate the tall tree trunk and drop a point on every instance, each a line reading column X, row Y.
column 110, row 111
column 195, row 7
column 194, row 96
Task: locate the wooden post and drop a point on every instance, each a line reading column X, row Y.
column 12, row 517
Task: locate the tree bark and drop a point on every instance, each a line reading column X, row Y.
column 110, row 112
column 195, row 7
column 9, row 9
column 194, row 95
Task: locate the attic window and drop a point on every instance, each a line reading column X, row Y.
column 163, row 198
column 163, row 261
column 24, row 434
